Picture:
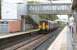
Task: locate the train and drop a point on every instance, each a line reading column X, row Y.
column 48, row 25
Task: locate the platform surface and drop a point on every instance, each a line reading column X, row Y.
column 63, row 41
column 6, row 35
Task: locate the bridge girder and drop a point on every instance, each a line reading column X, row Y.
column 58, row 8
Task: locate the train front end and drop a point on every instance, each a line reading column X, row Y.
column 43, row 26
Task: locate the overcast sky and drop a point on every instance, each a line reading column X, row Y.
column 63, row 16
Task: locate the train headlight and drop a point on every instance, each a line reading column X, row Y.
column 47, row 26
column 39, row 26
column 43, row 26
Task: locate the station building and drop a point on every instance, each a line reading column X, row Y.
column 10, row 15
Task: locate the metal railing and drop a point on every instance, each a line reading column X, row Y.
column 49, row 8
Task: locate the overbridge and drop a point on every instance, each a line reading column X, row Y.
column 50, row 8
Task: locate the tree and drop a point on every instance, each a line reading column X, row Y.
column 49, row 17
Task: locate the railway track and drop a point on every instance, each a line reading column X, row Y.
column 30, row 44
column 47, row 43
column 35, row 43
column 10, row 42
column 21, row 44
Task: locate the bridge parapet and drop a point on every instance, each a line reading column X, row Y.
column 58, row 8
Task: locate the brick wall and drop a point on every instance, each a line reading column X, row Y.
column 14, row 26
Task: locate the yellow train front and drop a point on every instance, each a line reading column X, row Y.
column 47, row 26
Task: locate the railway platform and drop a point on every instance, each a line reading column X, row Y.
column 6, row 35
column 63, row 41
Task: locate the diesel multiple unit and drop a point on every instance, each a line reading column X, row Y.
column 48, row 25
